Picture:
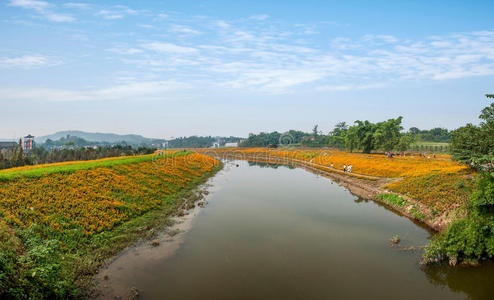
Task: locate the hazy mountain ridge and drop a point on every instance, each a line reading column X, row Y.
column 101, row 137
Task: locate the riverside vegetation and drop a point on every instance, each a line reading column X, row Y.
column 456, row 192
column 60, row 222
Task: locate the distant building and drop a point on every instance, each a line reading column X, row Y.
column 231, row 144
column 28, row 143
column 216, row 145
column 8, row 145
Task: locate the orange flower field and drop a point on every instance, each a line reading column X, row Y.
column 436, row 181
column 97, row 199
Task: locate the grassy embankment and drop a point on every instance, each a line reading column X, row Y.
column 434, row 190
column 59, row 222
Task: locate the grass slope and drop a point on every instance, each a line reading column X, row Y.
column 57, row 230
column 71, row 166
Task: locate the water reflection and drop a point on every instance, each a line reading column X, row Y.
column 277, row 232
column 476, row 282
column 269, row 165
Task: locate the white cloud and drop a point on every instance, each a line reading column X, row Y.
column 278, row 58
column 259, row 17
column 42, row 8
column 117, row 12
column 169, row 48
column 350, row 87
column 109, row 15
column 132, row 91
column 380, row 38
column 147, row 26
column 184, row 30
column 77, row 5
column 126, row 51
column 222, row 24
column 59, row 18
column 25, row 62
column 30, row 4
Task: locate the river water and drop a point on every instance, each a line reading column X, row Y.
column 274, row 232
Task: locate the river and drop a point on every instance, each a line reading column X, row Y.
column 275, row 232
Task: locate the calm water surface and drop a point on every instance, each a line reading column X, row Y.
column 272, row 232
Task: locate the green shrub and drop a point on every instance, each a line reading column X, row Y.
column 392, row 199
column 467, row 240
column 483, row 197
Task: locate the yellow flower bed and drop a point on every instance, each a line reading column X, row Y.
column 441, row 192
column 365, row 164
column 98, row 199
column 436, row 181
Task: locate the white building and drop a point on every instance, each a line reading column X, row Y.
column 231, row 144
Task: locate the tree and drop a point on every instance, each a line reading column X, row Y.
column 474, row 145
column 414, row 130
column 387, row 134
column 404, row 142
column 361, row 136
column 339, row 129
column 336, row 137
column 315, row 131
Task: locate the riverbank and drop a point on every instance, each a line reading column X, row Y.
column 271, row 231
column 166, row 239
column 57, row 230
column 432, row 190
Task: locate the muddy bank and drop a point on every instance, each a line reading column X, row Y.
column 108, row 282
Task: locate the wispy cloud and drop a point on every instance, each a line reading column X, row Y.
column 25, row 62
column 42, row 8
column 271, row 56
column 125, row 51
column 259, row 17
column 184, row 30
column 77, row 5
column 147, row 90
column 169, row 48
column 117, row 12
column 30, row 4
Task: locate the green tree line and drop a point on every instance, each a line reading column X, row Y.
column 16, row 157
column 471, row 239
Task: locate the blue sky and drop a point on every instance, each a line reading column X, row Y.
column 176, row 68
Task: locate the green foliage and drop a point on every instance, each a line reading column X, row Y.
column 474, row 145
column 200, row 141
column 387, row 135
column 392, row 199
column 274, row 139
column 367, row 136
column 438, row 135
column 469, row 240
column 416, row 213
column 483, row 197
column 404, row 142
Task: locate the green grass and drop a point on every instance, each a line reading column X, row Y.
column 72, row 167
column 392, row 199
column 430, row 144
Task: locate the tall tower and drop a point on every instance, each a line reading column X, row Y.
column 28, row 143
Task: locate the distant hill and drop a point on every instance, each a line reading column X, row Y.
column 112, row 138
